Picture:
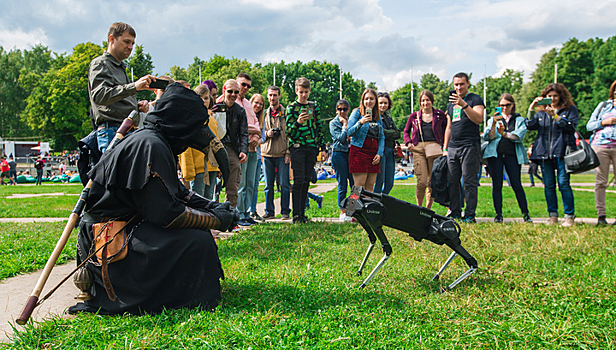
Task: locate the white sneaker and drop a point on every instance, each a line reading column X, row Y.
column 342, row 217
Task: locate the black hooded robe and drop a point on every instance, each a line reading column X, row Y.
column 165, row 267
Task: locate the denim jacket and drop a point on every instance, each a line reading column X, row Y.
column 520, row 132
column 602, row 135
column 339, row 135
column 358, row 132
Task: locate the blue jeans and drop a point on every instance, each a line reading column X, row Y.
column 104, row 135
column 340, row 163
column 255, row 193
column 197, row 185
column 310, row 196
column 388, row 169
column 39, row 176
column 548, row 167
column 208, row 191
column 247, row 185
column 269, row 165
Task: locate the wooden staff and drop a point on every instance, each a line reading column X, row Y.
column 33, row 300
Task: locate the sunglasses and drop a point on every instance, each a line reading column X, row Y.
column 383, row 94
column 233, row 92
column 342, row 109
column 506, row 105
column 246, row 85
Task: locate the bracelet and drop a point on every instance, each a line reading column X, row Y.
column 465, row 106
column 444, row 149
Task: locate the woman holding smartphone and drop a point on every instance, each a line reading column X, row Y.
column 603, row 141
column 555, row 123
column 426, row 134
column 367, row 141
column 340, row 155
column 505, row 132
column 385, row 180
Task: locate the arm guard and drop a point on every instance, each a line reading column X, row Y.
column 192, row 218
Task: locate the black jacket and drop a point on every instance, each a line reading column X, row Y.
column 552, row 136
column 237, row 129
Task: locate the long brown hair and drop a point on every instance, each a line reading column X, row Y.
column 612, row 88
column 565, row 96
column 260, row 114
column 375, row 111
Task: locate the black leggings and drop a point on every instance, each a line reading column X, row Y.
column 510, row 163
column 303, row 160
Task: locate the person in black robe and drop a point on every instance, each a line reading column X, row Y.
column 172, row 260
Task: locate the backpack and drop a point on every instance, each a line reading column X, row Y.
column 438, row 181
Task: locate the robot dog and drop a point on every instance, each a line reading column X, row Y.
column 373, row 211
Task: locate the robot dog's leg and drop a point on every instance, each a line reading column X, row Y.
column 449, row 260
column 375, row 270
column 372, row 239
column 378, row 231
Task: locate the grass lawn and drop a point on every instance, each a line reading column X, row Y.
column 290, row 286
column 61, row 206
column 25, row 247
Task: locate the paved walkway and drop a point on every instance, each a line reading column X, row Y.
column 15, row 291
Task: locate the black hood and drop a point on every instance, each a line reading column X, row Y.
column 179, row 114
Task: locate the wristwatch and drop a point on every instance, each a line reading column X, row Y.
column 465, row 106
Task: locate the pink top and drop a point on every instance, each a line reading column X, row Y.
column 254, row 130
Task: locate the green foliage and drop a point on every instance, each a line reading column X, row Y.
column 58, row 105
column 141, row 64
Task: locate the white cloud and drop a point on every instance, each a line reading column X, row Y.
column 21, row 40
column 524, row 60
column 280, row 4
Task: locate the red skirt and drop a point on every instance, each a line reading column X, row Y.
column 360, row 159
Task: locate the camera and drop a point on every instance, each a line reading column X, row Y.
column 276, row 132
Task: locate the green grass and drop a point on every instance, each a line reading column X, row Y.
column 290, row 286
column 25, row 247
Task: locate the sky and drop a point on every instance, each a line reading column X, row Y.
column 389, row 42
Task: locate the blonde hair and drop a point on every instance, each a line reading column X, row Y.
column 260, row 114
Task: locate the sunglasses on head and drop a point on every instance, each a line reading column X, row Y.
column 233, row 92
column 246, row 85
column 383, row 94
column 342, row 109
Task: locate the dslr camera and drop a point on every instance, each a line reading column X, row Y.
column 276, row 132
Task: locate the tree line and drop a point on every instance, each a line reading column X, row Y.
column 44, row 95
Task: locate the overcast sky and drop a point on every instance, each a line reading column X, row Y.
column 375, row 40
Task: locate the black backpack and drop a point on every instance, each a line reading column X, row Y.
column 438, row 181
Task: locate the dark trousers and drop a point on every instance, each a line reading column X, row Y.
column 514, row 170
column 303, row 160
column 464, row 162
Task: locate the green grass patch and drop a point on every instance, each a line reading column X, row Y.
column 25, row 247
column 291, row 286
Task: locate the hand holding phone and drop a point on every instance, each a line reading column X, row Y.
column 159, row 84
column 545, row 101
column 498, row 112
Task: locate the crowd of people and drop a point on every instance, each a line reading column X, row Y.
column 136, row 184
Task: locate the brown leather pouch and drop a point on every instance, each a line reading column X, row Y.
column 113, row 232
column 433, row 149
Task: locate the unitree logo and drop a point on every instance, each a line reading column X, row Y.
column 373, row 211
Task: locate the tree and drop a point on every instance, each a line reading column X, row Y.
column 140, row 64
column 58, row 105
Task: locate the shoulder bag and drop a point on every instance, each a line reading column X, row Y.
column 581, row 159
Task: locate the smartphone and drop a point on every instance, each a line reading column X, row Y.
column 452, row 92
column 369, row 112
column 220, row 107
column 498, row 111
column 545, row 101
column 159, row 84
column 303, row 110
